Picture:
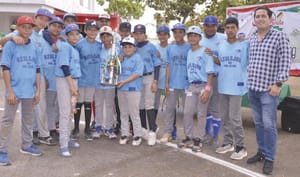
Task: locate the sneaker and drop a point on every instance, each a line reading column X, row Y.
column 151, row 138
column 136, row 141
column 110, row 133
column 268, row 167
column 185, row 143
column 197, row 146
column 258, row 157
column 207, row 139
column 145, row 134
column 64, row 152
column 88, row 135
column 73, row 144
column 32, row 150
column 4, row 160
column 166, row 138
column 98, row 132
column 75, row 134
column 174, row 133
column 123, row 140
column 35, row 138
column 239, row 154
column 47, row 140
column 225, row 148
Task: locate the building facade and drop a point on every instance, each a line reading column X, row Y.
column 10, row 10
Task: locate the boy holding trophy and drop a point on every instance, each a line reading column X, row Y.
column 129, row 93
column 105, row 89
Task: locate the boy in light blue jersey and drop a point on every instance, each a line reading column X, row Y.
column 232, row 58
column 89, row 50
column 210, row 40
column 176, row 77
column 200, row 71
column 40, row 128
column 48, row 67
column 129, row 93
column 67, row 72
column 104, row 94
column 149, row 54
column 20, row 88
column 124, row 31
column 163, row 34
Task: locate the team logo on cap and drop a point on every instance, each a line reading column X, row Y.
column 93, row 23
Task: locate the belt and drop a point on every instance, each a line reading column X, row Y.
column 197, row 82
column 146, row 74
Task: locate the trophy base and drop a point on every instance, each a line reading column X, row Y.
column 108, row 84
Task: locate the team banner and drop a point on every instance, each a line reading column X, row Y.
column 286, row 19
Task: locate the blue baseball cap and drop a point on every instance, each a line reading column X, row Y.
column 66, row 15
column 179, row 26
column 43, row 12
column 125, row 26
column 210, row 20
column 139, row 28
column 91, row 24
column 163, row 28
column 71, row 27
column 194, row 29
column 56, row 20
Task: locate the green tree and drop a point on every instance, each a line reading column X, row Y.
column 174, row 10
column 218, row 7
column 127, row 9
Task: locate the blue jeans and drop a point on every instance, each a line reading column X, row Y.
column 264, row 108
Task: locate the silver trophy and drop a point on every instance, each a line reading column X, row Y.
column 112, row 68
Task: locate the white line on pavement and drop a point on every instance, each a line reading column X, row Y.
column 209, row 158
column 218, row 161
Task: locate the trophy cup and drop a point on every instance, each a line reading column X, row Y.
column 112, row 68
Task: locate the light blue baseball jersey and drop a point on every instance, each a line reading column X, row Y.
column 177, row 59
column 212, row 43
column 69, row 56
column 149, row 55
column 132, row 65
column 103, row 57
column 89, row 62
column 36, row 38
column 234, row 57
column 162, row 69
column 23, row 62
column 199, row 65
column 48, row 61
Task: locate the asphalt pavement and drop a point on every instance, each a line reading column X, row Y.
column 105, row 157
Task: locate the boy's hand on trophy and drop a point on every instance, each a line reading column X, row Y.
column 121, row 83
column 121, row 57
